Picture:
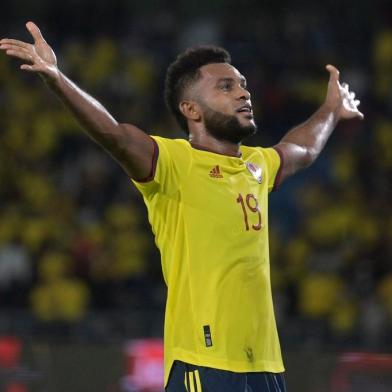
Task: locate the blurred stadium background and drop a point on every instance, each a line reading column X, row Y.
column 80, row 278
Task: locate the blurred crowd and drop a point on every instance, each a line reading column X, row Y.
column 74, row 236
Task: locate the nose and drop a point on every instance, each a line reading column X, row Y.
column 243, row 93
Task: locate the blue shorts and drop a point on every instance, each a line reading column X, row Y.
column 190, row 378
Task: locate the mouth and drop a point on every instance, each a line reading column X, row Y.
column 247, row 108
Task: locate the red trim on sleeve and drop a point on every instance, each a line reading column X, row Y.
column 280, row 170
column 154, row 161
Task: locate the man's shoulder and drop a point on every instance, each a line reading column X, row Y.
column 171, row 150
column 248, row 151
column 261, row 155
column 170, row 141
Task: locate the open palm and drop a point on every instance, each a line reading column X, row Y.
column 339, row 96
column 39, row 57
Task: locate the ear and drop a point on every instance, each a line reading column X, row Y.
column 191, row 110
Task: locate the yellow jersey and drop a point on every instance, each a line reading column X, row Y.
column 209, row 214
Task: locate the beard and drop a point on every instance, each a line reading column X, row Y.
column 226, row 127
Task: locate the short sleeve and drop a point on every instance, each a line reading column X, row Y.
column 273, row 158
column 170, row 165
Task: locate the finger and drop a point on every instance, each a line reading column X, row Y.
column 357, row 102
column 356, row 112
column 7, row 41
column 34, row 31
column 6, row 47
column 345, row 87
column 333, row 73
column 29, row 68
column 351, row 95
column 22, row 55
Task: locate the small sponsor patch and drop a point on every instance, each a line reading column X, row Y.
column 207, row 335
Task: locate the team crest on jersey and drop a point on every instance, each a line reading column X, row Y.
column 255, row 171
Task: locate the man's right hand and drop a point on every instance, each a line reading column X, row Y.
column 128, row 144
column 39, row 56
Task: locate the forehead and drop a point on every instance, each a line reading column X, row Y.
column 216, row 71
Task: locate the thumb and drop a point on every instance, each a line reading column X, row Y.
column 34, row 31
column 333, row 73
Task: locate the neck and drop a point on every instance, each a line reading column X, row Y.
column 212, row 144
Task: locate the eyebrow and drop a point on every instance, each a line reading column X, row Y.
column 227, row 79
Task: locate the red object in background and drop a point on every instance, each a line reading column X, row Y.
column 10, row 352
column 144, row 366
column 10, row 356
column 351, row 364
column 16, row 388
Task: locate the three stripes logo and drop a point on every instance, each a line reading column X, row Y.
column 215, row 172
column 192, row 381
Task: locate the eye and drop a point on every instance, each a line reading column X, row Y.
column 225, row 86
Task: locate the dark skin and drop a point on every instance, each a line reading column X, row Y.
column 221, row 88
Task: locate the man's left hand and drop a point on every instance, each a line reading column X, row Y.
column 340, row 99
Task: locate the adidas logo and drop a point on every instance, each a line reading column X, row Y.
column 215, row 172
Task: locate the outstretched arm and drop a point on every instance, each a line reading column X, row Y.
column 129, row 145
column 303, row 144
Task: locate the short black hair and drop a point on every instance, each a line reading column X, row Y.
column 185, row 70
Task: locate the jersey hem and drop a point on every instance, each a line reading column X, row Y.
column 223, row 364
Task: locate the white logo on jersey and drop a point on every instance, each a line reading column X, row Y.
column 255, row 171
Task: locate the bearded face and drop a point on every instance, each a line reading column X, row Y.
column 227, row 127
